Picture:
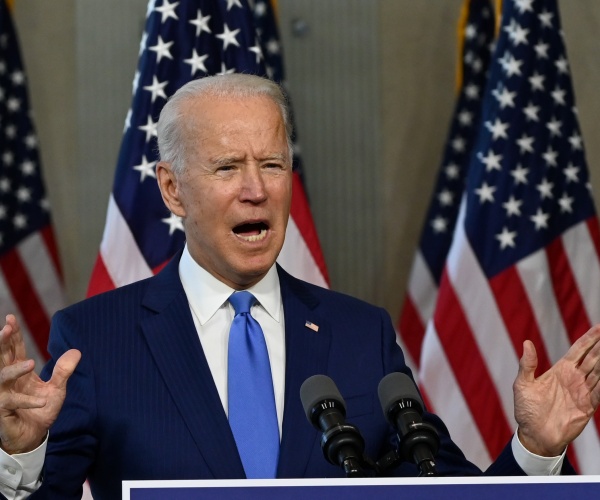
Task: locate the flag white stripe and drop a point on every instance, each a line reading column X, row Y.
column 422, row 288
column 42, row 273
column 122, row 257
column 443, row 391
column 587, row 450
column 481, row 310
column 583, row 258
column 535, row 276
column 295, row 257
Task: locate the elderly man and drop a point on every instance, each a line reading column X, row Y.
column 186, row 375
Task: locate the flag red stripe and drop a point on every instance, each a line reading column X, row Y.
column 48, row 236
column 23, row 292
column 568, row 298
column 300, row 211
column 158, row 268
column 412, row 330
column 465, row 359
column 100, row 280
column 517, row 313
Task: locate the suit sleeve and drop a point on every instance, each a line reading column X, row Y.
column 72, row 441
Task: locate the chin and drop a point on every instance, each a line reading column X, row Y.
column 249, row 275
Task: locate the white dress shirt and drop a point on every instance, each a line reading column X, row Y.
column 213, row 315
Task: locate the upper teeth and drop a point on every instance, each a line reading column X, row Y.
column 255, row 237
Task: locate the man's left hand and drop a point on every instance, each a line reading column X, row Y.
column 553, row 409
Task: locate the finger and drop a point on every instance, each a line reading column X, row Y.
column 17, row 338
column 11, row 320
column 7, row 330
column 5, row 334
column 528, row 362
column 583, row 345
column 12, row 325
column 7, row 353
column 591, row 360
column 12, row 345
column 8, row 321
column 592, row 376
column 19, row 401
column 10, row 374
column 64, row 368
column 591, row 381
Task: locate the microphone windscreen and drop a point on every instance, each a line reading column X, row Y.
column 316, row 389
column 397, row 386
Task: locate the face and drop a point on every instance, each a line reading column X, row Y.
column 235, row 190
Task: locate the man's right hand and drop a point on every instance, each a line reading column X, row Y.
column 28, row 405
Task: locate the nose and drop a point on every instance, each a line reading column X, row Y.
column 253, row 185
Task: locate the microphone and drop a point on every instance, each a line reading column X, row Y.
column 403, row 408
column 342, row 443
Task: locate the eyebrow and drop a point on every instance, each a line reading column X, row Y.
column 227, row 160
column 275, row 156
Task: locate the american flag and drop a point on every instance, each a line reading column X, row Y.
column 184, row 40
column 31, row 283
column 476, row 36
column 524, row 260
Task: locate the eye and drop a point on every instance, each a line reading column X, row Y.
column 277, row 166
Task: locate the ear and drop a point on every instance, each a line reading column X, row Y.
column 169, row 188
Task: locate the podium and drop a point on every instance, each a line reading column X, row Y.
column 463, row 488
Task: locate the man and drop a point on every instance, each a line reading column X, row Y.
column 149, row 381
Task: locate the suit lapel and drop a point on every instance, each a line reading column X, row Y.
column 176, row 349
column 307, row 352
column 174, row 343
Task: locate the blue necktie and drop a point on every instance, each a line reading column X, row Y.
column 252, row 413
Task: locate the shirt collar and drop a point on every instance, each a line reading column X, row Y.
column 206, row 294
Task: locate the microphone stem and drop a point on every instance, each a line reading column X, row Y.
column 353, row 468
column 427, row 469
column 424, row 458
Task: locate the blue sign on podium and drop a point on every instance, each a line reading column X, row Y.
column 463, row 488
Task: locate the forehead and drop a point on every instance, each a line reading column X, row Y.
column 222, row 113
column 233, row 128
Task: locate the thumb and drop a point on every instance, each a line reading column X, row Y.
column 528, row 362
column 64, row 368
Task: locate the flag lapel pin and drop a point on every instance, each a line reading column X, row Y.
column 312, row 326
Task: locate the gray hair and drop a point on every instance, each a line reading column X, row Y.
column 169, row 129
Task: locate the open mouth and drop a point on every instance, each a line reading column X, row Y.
column 251, row 231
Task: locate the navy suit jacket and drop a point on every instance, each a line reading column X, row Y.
column 142, row 403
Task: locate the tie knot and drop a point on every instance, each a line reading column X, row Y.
column 242, row 302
